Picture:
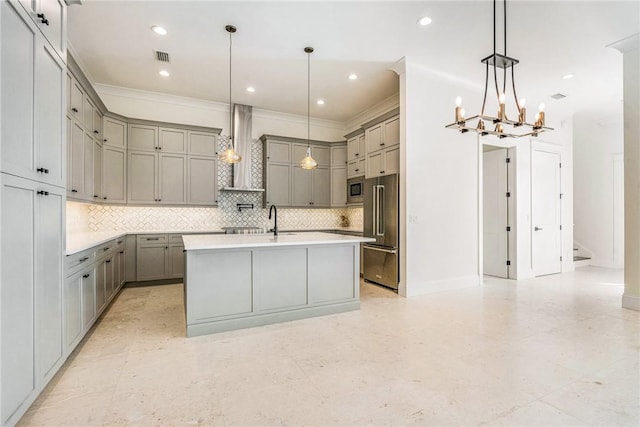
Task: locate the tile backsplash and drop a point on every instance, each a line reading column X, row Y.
column 90, row 217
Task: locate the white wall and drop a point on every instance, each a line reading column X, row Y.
column 598, row 141
column 176, row 109
column 439, row 188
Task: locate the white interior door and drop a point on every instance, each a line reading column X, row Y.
column 546, row 248
column 495, row 238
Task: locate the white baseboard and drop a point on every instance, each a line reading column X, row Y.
column 632, row 302
column 582, row 263
column 429, row 287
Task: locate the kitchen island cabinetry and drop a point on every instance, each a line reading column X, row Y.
column 241, row 281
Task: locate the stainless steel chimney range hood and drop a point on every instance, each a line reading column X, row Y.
column 242, row 128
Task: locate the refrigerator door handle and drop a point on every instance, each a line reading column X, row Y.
column 374, row 227
column 379, row 228
column 387, row 251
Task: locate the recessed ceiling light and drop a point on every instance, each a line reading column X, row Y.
column 159, row 30
column 164, row 73
column 251, row 89
column 567, row 76
column 320, row 101
column 424, row 21
column 353, row 76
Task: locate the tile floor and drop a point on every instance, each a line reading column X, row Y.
column 555, row 350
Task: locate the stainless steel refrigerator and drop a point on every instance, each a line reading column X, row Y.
column 381, row 222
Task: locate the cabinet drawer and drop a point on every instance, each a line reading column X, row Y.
column 78, row 260
column 107, row 248
column 151, row 239
column 175, row 238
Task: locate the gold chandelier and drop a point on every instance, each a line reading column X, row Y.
column 504, row 127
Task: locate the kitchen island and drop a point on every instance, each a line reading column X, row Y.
column 240, row 281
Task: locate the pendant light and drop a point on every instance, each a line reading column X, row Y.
column 308, row 162
column 229, row 155
column 516, row 128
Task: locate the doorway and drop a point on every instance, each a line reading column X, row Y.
column 495, row 215
column 546, row 199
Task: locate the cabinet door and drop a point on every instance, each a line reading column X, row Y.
column 202, row 143
column 49, row 117
column 391, row 161
column 142, row 137
column 88, row 114
column 321, row 182
column 97, row 125
column 339, row 187
column 152, row 262
column 50, row 208
column 203, row 181
column 17, row 273
column 76, row 168
column 392, row 132
column 101, row 293
column 172, row 179
column 339, row 156
column 375, row 165
column 97, row 170
column 356, row 168
column 72, row 310
column 54, row 13
column 278, row 184
column 373, row 138
column 142, row 173
column 109, row 282
column 172, row 140
column 352, row 148
column 176, row 261
column 87, row 191
column 17, row 44
column 77, row 100
column 115, row 133
column 321, row 154
column 122, row 267
column 362, row 147
column 279, row 151
column 114, row 169
column 88, row 298
column 301, row 187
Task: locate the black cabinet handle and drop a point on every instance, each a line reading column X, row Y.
column 43, row 19
column 104, row 140
column 381, row 171
column 159, row 148
column 42, row 170
column 43, row 193
column 85, row 276
column 382, row 144
column 95, row 195
column 74, row 109
column 121, row 252
column 107, row 261
column 357, row 170
column 96, row 132
column 357, row 154
column 74, row 191
column 83, row 259
column 104, row 198
column 107, row 248
column 166, row 247
column 152, row 238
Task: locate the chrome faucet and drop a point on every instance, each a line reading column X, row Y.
column 275, row 220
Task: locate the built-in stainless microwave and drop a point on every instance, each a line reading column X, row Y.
column 355, row 190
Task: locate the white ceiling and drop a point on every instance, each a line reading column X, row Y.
column 115, row 45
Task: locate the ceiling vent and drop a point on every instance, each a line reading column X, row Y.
column 558, row 96
column 161, row 56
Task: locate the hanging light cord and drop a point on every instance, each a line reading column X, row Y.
column 308, row 99
column 230, row 107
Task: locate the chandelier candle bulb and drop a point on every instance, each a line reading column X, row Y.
column 501, row 108
column 522, row 116
column 459, row 111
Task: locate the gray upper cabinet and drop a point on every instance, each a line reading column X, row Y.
column 279, row 151
column 87, row 181
column 321, row 187
column 76, row 162
column 172, row 140
column 338, row 155
column 202, row 143
column 142, row 137
column 76, row 99
column 142, row 174
column 301, row 187
column 50, row 17
column 33, row 78
column 339, row 186
column 356, row 147
column 279, row 188
column 97, row 170
column 114, row 175
column 202, row 181
column 320, row 153
column 115, row 133
column 311, row 188
column 392, row 131
column 88, row 114
column 382, row 135
column 97, row 125
column 172, row 179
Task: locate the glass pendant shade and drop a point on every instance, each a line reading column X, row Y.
column 308, row 162
column 229, row 155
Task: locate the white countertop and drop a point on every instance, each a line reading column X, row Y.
column 80, row 241
column 231, row 241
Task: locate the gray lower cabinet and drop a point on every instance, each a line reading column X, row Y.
column 159, row 256
column 32, row 218
column 101, row 292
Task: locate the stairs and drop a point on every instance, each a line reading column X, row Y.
column 579, row 260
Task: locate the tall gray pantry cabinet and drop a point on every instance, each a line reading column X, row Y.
column 32, row 198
